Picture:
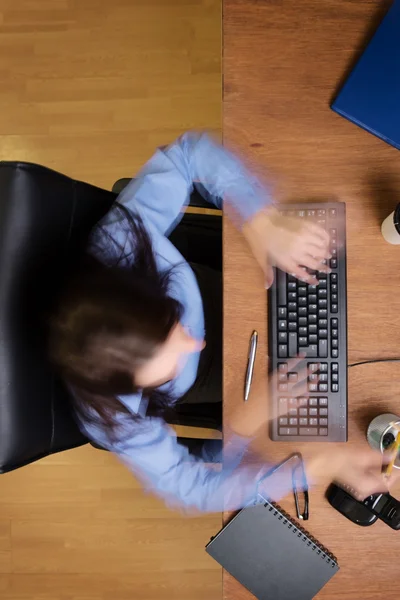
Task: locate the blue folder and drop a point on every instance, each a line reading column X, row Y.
column 370, row 98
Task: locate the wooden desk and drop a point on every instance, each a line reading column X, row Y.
column 283, row 63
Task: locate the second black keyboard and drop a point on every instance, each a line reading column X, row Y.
column 311, row 320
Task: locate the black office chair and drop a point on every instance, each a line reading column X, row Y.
column 45, row 221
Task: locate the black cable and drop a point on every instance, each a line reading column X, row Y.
column 375, row 360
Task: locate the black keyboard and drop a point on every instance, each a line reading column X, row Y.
column 312, row 320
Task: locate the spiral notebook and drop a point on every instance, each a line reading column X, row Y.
column 271, row 555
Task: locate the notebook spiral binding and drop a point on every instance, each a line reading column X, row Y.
column 311, row 541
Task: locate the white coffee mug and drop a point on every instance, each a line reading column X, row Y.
column 391, row 227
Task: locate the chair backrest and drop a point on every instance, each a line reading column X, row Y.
column 45, row 220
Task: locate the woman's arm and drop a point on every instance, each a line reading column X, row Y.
column 163, row 186
column 165, row 468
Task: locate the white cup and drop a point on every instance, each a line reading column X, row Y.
column 391, row 227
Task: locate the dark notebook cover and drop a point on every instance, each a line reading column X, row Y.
column 271, row 555
column 370, row 97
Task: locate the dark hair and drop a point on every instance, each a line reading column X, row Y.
column 110, row 318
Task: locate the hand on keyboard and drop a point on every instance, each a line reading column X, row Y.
column 254, row 414
column 290, row 243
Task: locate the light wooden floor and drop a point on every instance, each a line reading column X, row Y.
column 89, row 88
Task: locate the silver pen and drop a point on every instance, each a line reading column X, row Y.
column 250, row 364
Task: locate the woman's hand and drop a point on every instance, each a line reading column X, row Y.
column 287, row 242
column 358, row 470
column 251, row 416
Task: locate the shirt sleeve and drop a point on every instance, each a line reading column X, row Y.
column 166, row 468
column 163, row 186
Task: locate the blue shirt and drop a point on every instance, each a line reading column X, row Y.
column 149, row 448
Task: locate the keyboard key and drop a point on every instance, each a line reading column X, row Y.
column 313, row 387
column 335, row 352
column 312, row 309
column 293, row 378
column 323, row 303
column 282, row 376
column 323, row 431
column 334, row 367
column 323, row 377
column 323, row 412
column 334, row 333
column 303, row 321
column 323, row 387
column 292, row 344
column 312, row 319
column 334, row 322
column 282, row 337
column 334, row 287
column 283, row 387
column 322, row 421
column 335, row 343
column 282, row 325
column 288, row 431
column 311, row 351
column 292, row 326
column 334, row 298
column 303, row 341
column 281, row 284
column 282, row 313
column 303, row 401
column 323, row 348
column 332, row 212
column 302, row 291
column 334, row 308
column 312, row 298
column 292, row 316
column 323, row 401
column 292, row 402
column 323, row 313
column 308, row 431
column 313, row 422
column 322, row 283
column 313, row 367
column 314, row 377
column 302, row 301
column 293, row 421
column 303, row 412
column 303, row 421
column 335, row 377
column 292, row 306
column 283, row 421
column 292, row 412
column 292, row 286
column 334, row 278
column 302, row 311
column 303, row 331
column 323, row 333
column 313, row 402
column 321, row 212
column 282, row 351
column 323, row 367
column 292, row 296
column 313, row 412
column 312, row 328
column 335, row 387
column 282, row 367
column 313, row 339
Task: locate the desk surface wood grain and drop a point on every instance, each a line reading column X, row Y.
column 283, row 63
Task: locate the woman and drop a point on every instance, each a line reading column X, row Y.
column 129, row 330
